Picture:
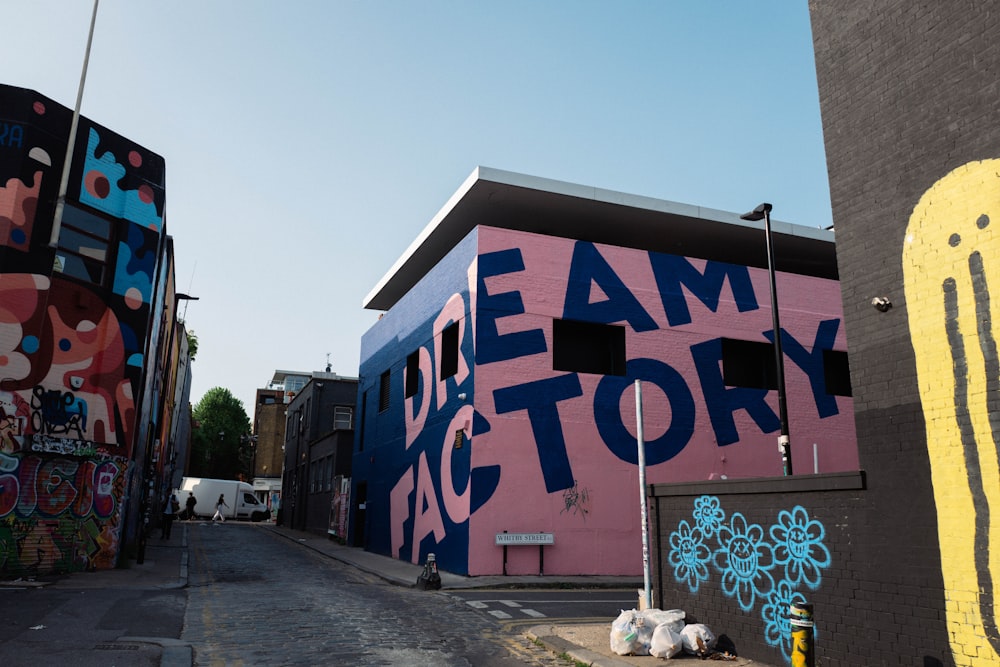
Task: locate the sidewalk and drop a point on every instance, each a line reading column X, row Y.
column 92, row 619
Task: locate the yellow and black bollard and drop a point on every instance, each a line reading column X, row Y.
column 800, row 617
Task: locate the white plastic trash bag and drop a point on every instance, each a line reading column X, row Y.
column 624, row 636
column 697, row 637
column 666, row 643
column 656, row 617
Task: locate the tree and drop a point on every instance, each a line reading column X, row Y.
column 218, row 442
column 192, row 344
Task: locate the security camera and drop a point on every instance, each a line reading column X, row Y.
column 881, row 303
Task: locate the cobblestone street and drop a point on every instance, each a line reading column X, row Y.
column 258, row 599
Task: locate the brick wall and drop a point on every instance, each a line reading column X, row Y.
column 908, row 93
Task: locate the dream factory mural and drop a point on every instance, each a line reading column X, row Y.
column 74, row 324
column 475, row 424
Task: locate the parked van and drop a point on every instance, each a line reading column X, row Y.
column 243, row 504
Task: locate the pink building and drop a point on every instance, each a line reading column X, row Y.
column 497, row 391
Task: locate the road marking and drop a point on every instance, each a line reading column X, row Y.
column 499, row 614
column 509, row 603
column 533, row 613
column 476, row 605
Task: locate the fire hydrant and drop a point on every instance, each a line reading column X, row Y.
column 429, row 578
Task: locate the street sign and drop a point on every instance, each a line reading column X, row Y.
column 516, row 539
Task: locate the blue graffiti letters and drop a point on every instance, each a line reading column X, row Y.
column 490, row 345
column 540, row 399
column 589, row 267
column 812, row 362
column 607, row 414
column 723, row 401
column 672, row 271
column 11, row 136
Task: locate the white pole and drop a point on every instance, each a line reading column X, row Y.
column 642, row 494
column 64, row 180
column 815, row 459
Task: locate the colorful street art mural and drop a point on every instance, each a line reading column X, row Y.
column 950, row 242
column 74, row 328
column 502, row 441
column 757, row 567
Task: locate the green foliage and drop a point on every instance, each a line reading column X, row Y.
column 219, row 446
column 192, row 345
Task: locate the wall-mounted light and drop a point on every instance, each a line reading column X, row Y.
column 461, row 396
column 882, row 304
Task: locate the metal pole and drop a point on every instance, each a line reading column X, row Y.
column 64, row 180
column 642, row 495
column 784, row 445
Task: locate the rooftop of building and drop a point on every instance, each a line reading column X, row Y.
column 508, row 200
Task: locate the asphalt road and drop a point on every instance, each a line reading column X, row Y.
column 549, row 605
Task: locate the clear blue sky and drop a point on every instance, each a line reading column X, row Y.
column 307, row 143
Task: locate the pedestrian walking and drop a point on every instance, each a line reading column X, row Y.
column 170, row 509
column 189, row 505
column 218, row 508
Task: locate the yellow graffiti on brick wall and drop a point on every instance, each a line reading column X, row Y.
column 951, row 261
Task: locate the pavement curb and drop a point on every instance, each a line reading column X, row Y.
column 559, row 646
column 175, row 652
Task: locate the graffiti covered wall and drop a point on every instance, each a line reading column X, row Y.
column 74, row 327
column 913, row 147
column 504, row 442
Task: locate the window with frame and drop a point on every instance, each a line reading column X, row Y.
column 383, row 392
column 449, row 351
column 588, row 347
column 343, row 417
column 84, row 246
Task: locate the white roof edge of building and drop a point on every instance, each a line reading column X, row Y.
column 551, row 186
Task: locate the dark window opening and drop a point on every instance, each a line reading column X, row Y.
column 383, row 392
column 412, row 374
column 364, row 413
column 588, row 347
column 747, row 363
column 836, row 373
column 449, row 350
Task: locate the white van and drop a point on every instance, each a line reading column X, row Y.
column 243, row 504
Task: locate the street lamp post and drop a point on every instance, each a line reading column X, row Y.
column 763, row 212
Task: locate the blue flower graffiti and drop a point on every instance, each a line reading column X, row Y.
column 689, row 556
column 748, row 561
column 708, row 515
column 744, row 559
column 777, row 629
column 798, row 545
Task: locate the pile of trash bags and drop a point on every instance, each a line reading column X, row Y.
column 661, row 634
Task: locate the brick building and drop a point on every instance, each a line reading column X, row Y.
column 899, row 558
column 496, row 391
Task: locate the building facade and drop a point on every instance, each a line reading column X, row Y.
column 319, row 435
column 497, row 390
column 269, row 441
column 91, row 365
column 898, row 560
